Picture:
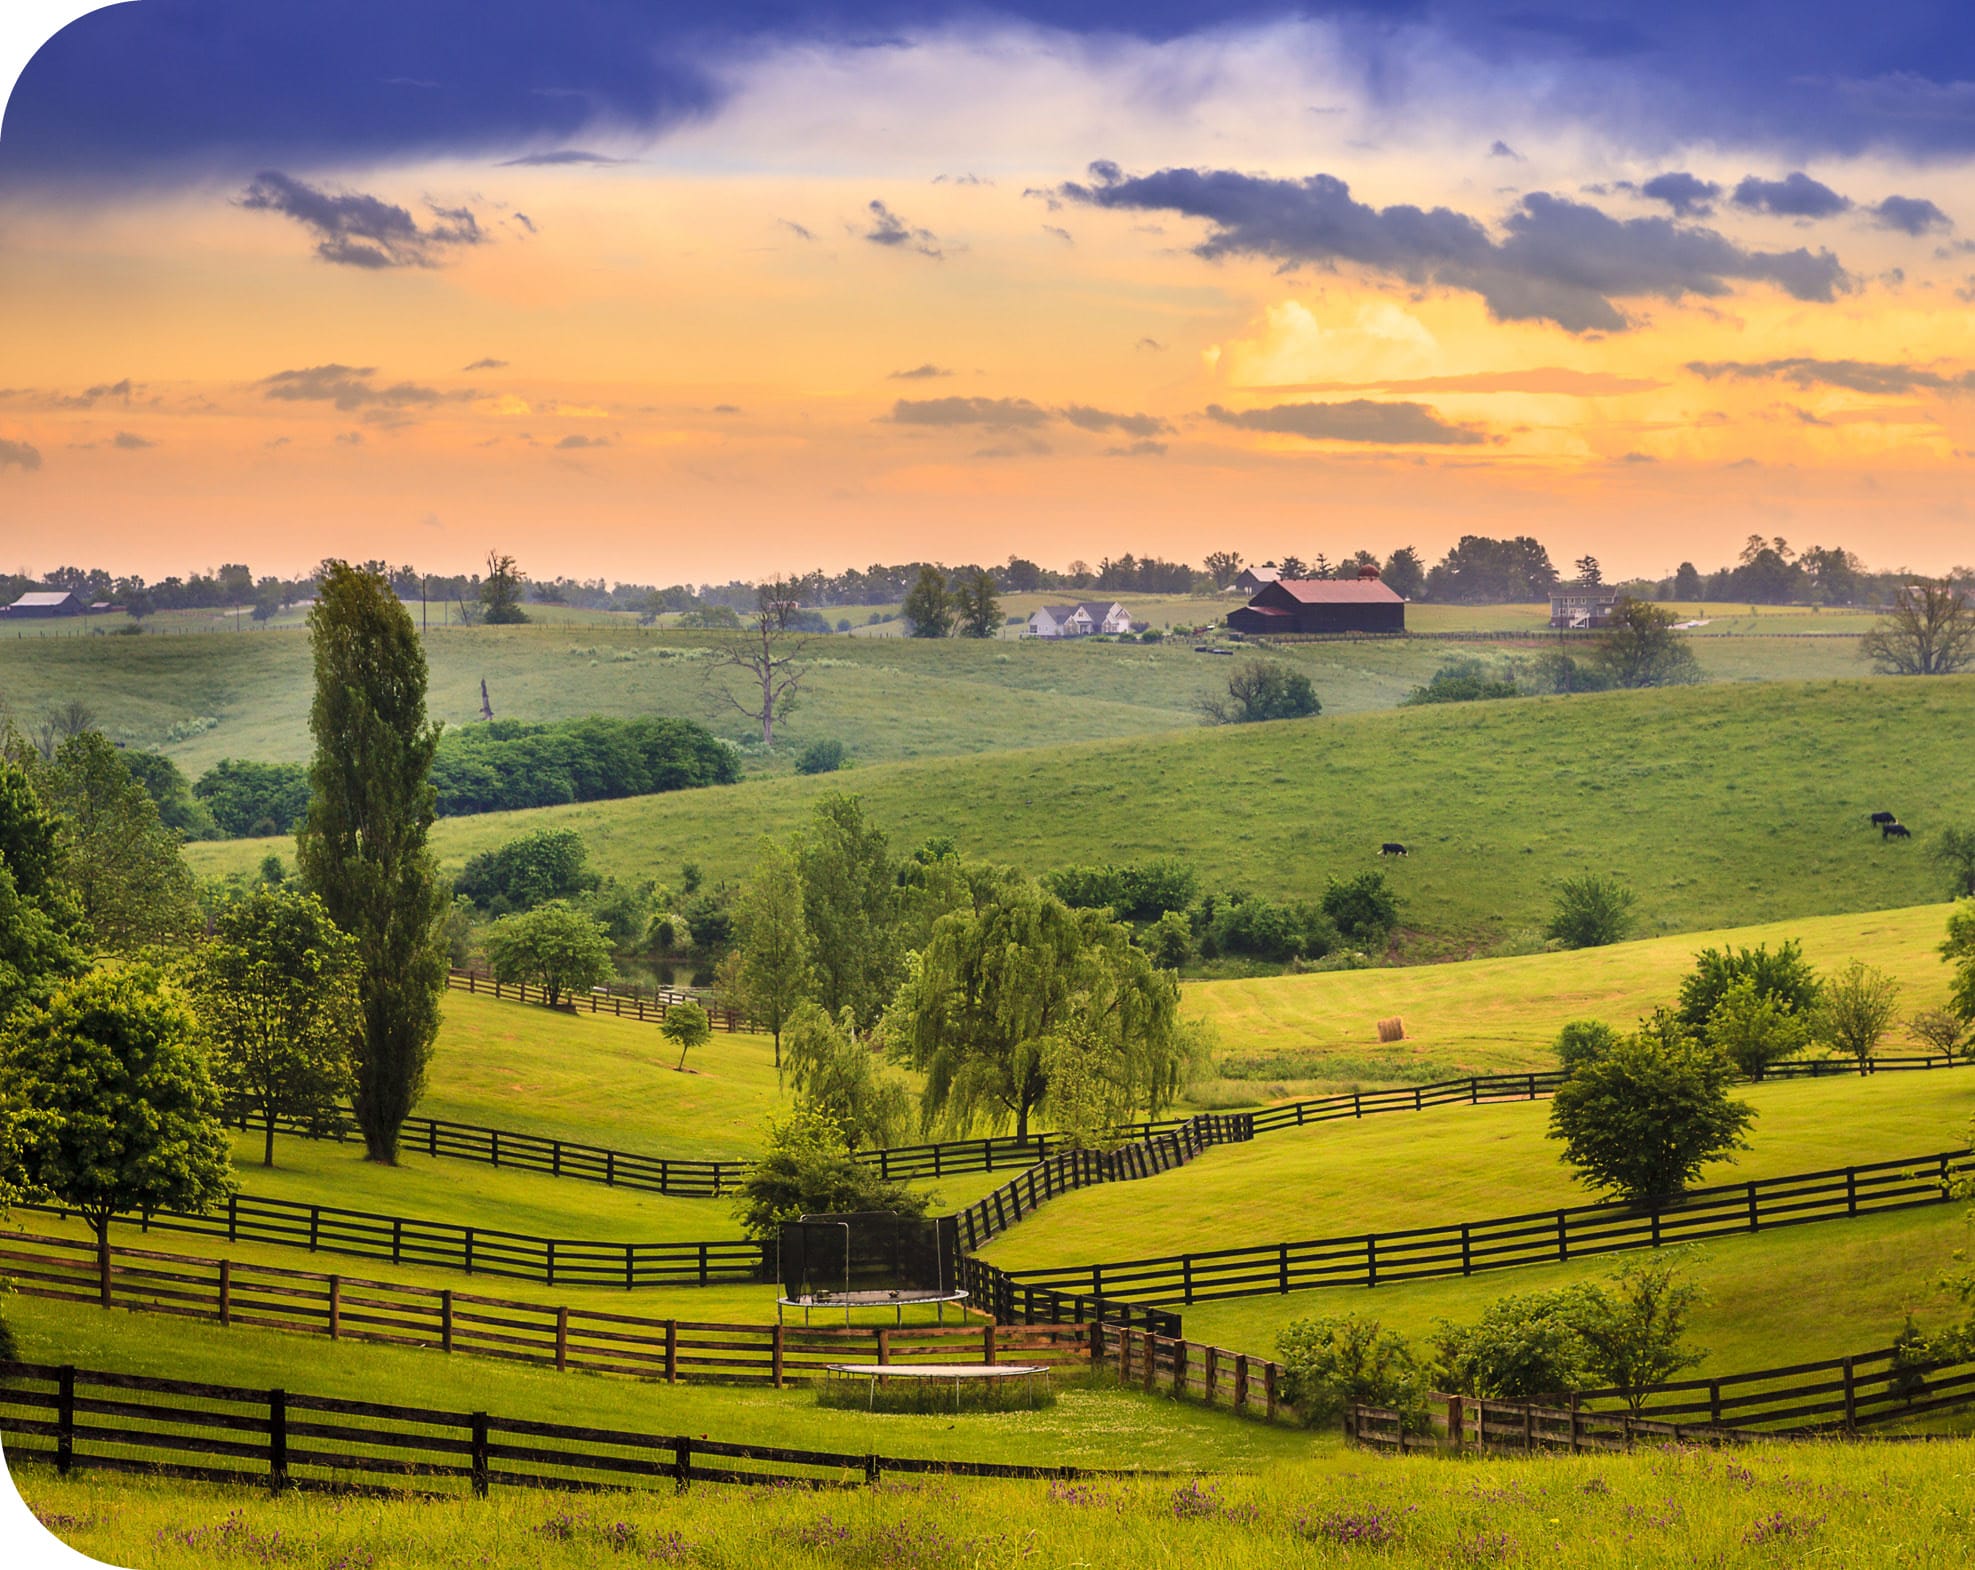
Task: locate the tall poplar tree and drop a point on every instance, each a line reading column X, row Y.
column 362, row 848
column 768, row 972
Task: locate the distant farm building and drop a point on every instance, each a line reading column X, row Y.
column 49, row 602
column 1581, row 605
column 1251, row 580
column 1313, row 606
column 1079, row 621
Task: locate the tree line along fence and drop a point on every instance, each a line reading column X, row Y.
column 1850, row 1394
column 75, row 1419
column 352, row 1308
column 633, row 1006
column 691, row 1178
column 1535, row 1237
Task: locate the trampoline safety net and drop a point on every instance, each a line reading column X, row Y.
column 869, row 1251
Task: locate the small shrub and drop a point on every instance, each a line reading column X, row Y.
column 1591, row 911
column 1333, row 1362
column 820, row 757
column 1169, row 940
column 1363, row 908
column 1858, row 1007
column 1937, row 1030
column 1754, row 1029
column 1583, row 1041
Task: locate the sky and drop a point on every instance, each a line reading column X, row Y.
column 637, row 291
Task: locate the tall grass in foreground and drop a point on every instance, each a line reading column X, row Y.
column 1829, row 1503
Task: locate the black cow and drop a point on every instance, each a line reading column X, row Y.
column 1881, row 819
column 1895, row 831
column 1392, row 848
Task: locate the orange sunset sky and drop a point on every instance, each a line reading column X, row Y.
column 870, row 304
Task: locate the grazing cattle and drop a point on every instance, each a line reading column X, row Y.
column 1392, row 848
column 1895, row 831
column 1881, row 819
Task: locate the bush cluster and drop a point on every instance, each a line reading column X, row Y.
column 505, row 764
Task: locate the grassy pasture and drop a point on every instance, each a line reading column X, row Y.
column 1899, row 1506
column 1305, row 1035
column 1453, row 1164
column 1092, row 1424
column 1722, row 806
column 1798, row 1294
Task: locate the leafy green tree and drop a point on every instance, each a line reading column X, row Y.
column 1333, row 1362
column 1937, row 1030
column 500, row 591
column 1169, row 940
column 35, row 949
column 976, row 605
column 1955, row 851
column 807, row 1169
column 1635, row 1327
column 686, row 1026
column 998, row 981
column 31, row 839
column 123, row 863
column 39, row 915
column 1404, row 574
column 1522, row 1348
column 928, row 606
column 1639, row 648
column 1643, row 1119
column 1461, row 680
column 167, row 786
column 276, row 989
column 1930, row 631
column 1958, row 949
column 1753, row 1029
column 1859, row 1006
column 554, row 946
column 528, row 870
column 770, row 969
column 112, row 1105
column 1262, row 690
column 1582, row 1041
column 254, row 800
column 1783, row 974
column 1363, row 908
column 1591, row 910
column 850, row 904
column 363, row 846
column 840, row 1077
column 820, row 757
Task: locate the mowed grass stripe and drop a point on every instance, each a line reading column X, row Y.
column 1454, row 1164
column 1720, row 805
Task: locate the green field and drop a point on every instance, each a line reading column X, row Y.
column 1901, row 1507
column 1311, row 1034
column 1722, row 806
column 1458, row 1163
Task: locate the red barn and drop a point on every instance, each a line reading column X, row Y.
column 1321, row 605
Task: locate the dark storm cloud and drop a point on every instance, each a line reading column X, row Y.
column 1687, row 194
column 888, row 229
column 1910, row 215
column 1358, row 420
column 349, row 387
column 19, row 455
column 1877, row 377
column 1085, row 418
column 1796, row 195
column 355, row 229
column 996, row 413
column 1559, row 261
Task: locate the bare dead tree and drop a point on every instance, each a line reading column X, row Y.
column 1930, row 631
column 768, row 647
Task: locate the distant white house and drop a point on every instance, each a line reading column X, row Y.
column 1079, row 621
column 1252, row 580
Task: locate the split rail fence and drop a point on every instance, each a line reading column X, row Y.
column 351, row 1308
column 84, row 1419
column 1535, row 1237
column 650, row 1010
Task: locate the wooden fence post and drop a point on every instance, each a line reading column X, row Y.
column 987, row 1342
column 1270, row 1391
column 479, row 1451
column 65, row 1419
column 226, row 1291
column 775, row 1353
column 277, row 1440
column 682, row 1463
column 1241, row 1382
column 1851, row 1398
column 1211, row 1374
column 335, row 1308
column 1151, row 1361
column 1456, row 1424
column 1179, row 1367
column 446, row 1319
column 672, row 1351
column 562, row 1338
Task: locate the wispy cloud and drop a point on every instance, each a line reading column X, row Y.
column 889, row 229
column 996, row 413
column 486, row 365
column 354, row 229
column 1796, row 195
column 130, row 441
column 350, row 387
column 557, row 159
column 1877, row 377
column 1085, row 418
column 919, row 373
column 1358, row 420
column 19, row 455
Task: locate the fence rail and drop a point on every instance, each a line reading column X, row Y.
column 1535, row 1237
column 623, row 1006
column 353, row 1308
column 80, row 1418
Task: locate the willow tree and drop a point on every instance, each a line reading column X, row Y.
column 1001, row 986
column 362, row 849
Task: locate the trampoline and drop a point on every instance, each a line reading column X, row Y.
column 924, row 1376
column 867, row 1259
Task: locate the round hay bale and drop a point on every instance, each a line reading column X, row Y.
column 1393, row 1029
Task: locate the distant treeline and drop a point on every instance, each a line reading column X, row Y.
column 497, row 767
column 1478, row 570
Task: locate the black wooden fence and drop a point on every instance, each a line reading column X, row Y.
column 1535, row 1237
column 76, row 1418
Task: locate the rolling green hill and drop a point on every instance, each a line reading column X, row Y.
column 1722, row 806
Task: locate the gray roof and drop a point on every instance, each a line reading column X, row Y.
column 43, row 597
